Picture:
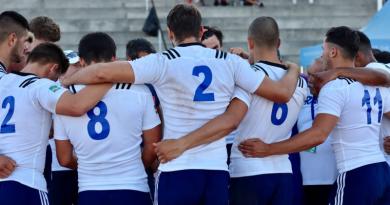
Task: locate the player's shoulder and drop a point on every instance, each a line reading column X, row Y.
column 339, row 83
column 137, row 89
column 380, row 66
column 302, row 82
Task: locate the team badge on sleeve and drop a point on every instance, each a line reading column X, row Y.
column 54, row 88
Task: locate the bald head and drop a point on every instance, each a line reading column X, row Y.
column 265, row 32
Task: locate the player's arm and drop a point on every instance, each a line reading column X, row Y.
column 322, row 126
column 65, row 155
column 7, row 166
column 118, row 71
column 367, row 76
column 213, row 130
column 81, row 102
column 280, row 91
column 150, row 137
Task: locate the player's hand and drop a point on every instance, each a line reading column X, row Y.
column 168, row 150
column 240, row 52
column 291, row 65
column 7, row 166
column 254, row 148
column 318, row 80
column 386, row 144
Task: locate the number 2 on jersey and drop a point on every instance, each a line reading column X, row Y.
column 208, row 76
column 377, row 101
column 100, row 118
column 8, row 128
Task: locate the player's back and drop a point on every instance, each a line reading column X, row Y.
column 107, row 139
column 194, row 85
column 355, row 139
column 25, row 127
column 269, row 121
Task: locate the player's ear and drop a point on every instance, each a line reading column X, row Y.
column 53, row 68
column 82, row 62
column 201, row 31
column 251, row 43
column 278, row 43
column 12, row 39
column 333, row 52
column 171, row 36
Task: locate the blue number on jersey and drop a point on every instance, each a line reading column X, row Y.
column 274, row 119
column 377, row 100
column 98, row 119
column 208, row 76
column 8, row 128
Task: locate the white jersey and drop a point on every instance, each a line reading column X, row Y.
column 107, row 139
column 27, row 104
column 318, row 165
column 385, row 127
column 194, row 85
column 271, row 122
column 355, row 139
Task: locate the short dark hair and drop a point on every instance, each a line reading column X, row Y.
column 49, row 53
column 364, row 42
column 346, row 38
column 381, row 56
column 210, row 31
column 264, row 31
column 135, row 46
column 12, row 22
column 45, row 28
column 97, row 47
column 184, row 21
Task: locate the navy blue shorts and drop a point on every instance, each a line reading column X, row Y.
column 369, row 184
column 192, row 187
column 15, row 193
column 275, row 189
column 114, row 197
column 63, row 188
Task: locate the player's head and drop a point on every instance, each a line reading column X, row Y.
column 381, row 56
column 138, row 48
column 184, row 21
column 340, row 46
column 212, row 38
column 264, row 33
column 50, row 59
column 316, row 67
column 364, row 56
column 96, row 47
column 44, row 30
column 13, row 35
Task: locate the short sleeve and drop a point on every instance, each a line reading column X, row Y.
column 386, row 92
column 59, row 129
column 331, row 100
column 148, row 69
column 150, row 116
column 246, row 77
column 47, row 93
column 242, row 95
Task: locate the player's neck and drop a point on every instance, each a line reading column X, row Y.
column 344, row 63
column 33, row 68
column 4, row 57
column 187, row 40
column 266, row 55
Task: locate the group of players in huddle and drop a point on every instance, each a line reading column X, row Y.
column 109, row 127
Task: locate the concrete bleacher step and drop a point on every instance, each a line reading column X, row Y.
column 301, row 24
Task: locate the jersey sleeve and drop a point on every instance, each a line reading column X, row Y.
column 47, row 94
column 331, row 100
column 246, row 77
column 150, row 116
column 386, row 93
column 59, row 129
column 148, row 69
column 242, row 95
